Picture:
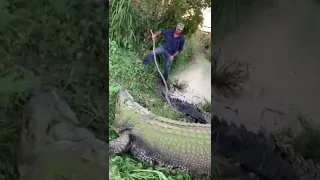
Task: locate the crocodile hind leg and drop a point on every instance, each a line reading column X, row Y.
column 120, row 145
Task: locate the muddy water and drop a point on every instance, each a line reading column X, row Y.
column 282, row 44
column 198, row 78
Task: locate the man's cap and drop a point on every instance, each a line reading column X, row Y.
column 180, row 26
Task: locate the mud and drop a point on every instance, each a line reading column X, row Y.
column 282, row 45
column 198, row 78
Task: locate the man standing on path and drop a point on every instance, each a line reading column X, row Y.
column 171, row 47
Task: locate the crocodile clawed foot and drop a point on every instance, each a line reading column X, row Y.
column 120, row 145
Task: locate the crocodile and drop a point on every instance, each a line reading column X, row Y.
column 161, row 141
column 189, row 110
column 264, row 155
column 240, row 153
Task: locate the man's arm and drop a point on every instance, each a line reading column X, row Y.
column 157, row 33
column 181, row 45
column 176, row 54
column 162, row 32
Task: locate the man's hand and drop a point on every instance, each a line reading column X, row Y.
column 153, row 36
column 174, row 55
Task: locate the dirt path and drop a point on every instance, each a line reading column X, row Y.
column 198, row 77
column 282, row 45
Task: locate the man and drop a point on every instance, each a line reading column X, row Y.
column 171, row 47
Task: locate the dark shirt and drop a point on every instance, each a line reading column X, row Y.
column 172, row 44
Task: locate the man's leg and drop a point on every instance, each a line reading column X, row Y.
column 150, row 57
column 167, row 65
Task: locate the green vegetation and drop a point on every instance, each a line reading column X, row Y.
column 177, row 85
column 61, row 43
column 206, row 106
column 131, row 20
column 129, row 43
column 205, row 43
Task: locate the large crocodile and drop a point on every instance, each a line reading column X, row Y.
column 161, row 141
column 174, row 144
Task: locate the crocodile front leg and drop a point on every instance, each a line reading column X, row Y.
column 120, row 145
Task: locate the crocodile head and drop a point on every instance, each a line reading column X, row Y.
column 127, row 111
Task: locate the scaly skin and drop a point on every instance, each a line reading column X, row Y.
column 161, row 141
column 258, row 154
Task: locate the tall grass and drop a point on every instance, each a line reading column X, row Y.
column 128, row 25
column 204, row 40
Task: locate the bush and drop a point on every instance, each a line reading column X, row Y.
column 204, row 39
column 128, row 24
column 12, row 98
column 205, row 43
column 56, row 29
